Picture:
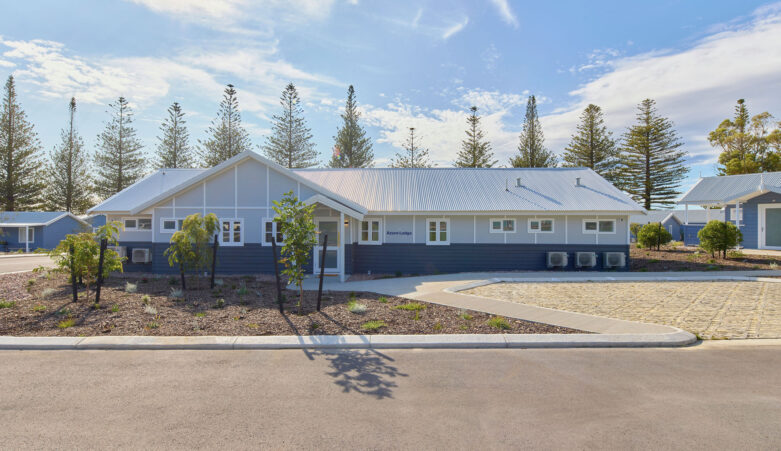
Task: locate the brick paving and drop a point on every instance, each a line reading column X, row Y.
column 712, row 309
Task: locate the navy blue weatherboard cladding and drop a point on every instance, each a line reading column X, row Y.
column 750, row 224
column 690, row 231
column 56, row 231
column 10, row 235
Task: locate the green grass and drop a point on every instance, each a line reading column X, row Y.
column 383, row 299
column 31, row 282
column 411, row 306
column 152, row 325
column 253, row 326
column 736, row 254
column 114, row 308
column 498, row 322
column 373, row 325
column 200, row 314
column 220, row 303
column 464, row 315
column 355, row 307
column 242, row 291
column 39, row 308
column 150, row 309
column 47, row 292
column 146, row 299
column 7, row 304
column 66, row 323
column 417, row 316
column 438, row 326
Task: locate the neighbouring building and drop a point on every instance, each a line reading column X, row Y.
column 751, row 201
column 673, row 221
column 31, row 230
column 383, row 220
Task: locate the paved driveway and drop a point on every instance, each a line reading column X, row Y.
column 711, row 396
column 16, row 263
column 716, row 309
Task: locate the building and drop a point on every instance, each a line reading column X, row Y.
column 31, row 230
column 383, row 221
column 751, row 201
column 673, row 221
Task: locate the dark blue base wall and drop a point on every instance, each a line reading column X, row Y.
column 423, row 259
column 391, row 258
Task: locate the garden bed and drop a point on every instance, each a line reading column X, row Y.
column 679, row 258
column 40, row 305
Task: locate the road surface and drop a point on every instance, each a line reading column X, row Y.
column 23, row 263
column 706, row 396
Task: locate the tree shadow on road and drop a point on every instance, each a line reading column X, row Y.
column 367, row 372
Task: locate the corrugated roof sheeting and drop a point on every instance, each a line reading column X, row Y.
column 726, row 188
column 695, row 216
column 458, row 189
column 28, row 217
column 146, row 188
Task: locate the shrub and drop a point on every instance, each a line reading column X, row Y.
column 66, row 323
column 200, row 314
column 653, row 235
column 47, row 292
column 114, row 308
column 176, row 294
column 498, row 322
column 464, row 315
column 438, row 326
column 242, row 291
column 7, row 304
column 146, row 299
column 354, row 307
column 373, row 325
column 131, row 287
column 39, row 308
column 189, row 249
column 411, row 306
column 220, row 303
column 295, row 220
column 150, row 309
column 634, row 228
column 152, row 325
column 383, row 299
column 31, row 282
column 718, row 237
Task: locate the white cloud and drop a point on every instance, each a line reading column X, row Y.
column 696, row 87
column 504, row 10
column 490, row 57
column 454, row 28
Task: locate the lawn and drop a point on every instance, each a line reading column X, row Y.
column 679, row 258
column 40, row 305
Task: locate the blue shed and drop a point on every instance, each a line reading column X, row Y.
column 31, row 230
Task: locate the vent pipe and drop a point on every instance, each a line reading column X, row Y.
column 518, row 182
column 577, row 181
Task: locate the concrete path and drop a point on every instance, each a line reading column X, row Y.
column 709, row 396
column 23, row 262
column 440, row 289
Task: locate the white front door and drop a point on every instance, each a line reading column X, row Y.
column 330, row 227
column 770, row 226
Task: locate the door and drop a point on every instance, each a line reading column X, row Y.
column 770, row 226
column 330, row 227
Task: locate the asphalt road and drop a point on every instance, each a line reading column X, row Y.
column 700, row 397
column 23, row 263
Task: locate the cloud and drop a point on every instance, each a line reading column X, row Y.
column 696, row 87
column 490, row 56
column 504, row 10
column 455, row 28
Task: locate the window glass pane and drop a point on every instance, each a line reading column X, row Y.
column 376, row 226
column 144, row 224
column 237, row 232
column 508, row 225
column 443, row 225
column 226, row 232
column 169, row 224
column 279, row 237
column 443, row 236
column 364, row 226
column 375, row 235
column 534, row 225
column 179, row 223
column 364, row 235
column 546, row 225
column 591, row 225
column 606, row 226
column 130, row 223
column 432, row 236
column 432, row 226
column 269, row 231
column 496, row 225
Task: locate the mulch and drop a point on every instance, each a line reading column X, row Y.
column 43, row 302
column 679, row 258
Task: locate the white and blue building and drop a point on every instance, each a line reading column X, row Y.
column 382, row 220
column 673, row 221
column 31, row 230
column 750, row 201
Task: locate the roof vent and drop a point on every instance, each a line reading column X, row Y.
column 518, row 182
column 577, row 181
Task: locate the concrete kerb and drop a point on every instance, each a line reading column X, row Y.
column 470, row 341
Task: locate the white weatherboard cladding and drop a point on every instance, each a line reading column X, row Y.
column 251, row 183
column 280, row 184
column 220, row 189
column 191, row 198
column 132, row 235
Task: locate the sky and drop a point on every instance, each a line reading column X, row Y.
column 415, row 64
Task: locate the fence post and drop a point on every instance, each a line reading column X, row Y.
column 322, row 272
column 101, row 257
column 73, row 274
column 214, row 260
column 276, row 272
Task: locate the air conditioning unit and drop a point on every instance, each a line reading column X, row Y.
column 585, row 259
column 614, row 259
column 557, row 260
column 141, row 256
column 120, row 250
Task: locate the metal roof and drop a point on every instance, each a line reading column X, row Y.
column 474, row 190
column 31, row 218
column 145, row 189
column 724, row 189
column 695, row 216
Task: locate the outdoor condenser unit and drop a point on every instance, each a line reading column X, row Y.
column 141, row 256
column 120, row 250
column 614, row 259
column 585, row 259
column 557, row 259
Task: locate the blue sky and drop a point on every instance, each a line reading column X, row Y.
column 418, row 64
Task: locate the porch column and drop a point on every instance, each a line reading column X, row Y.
column 737, row 219
column 686, row 214
column 27, row 238
column 341, row 239
column 707, row 215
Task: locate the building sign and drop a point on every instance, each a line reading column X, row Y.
column 404, row 233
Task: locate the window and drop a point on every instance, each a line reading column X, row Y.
column 137, row 223
column 599, row 226
column 438, row 231
column 540, row 225
column 170, row 225
column 30, row 235
column 502, row 225
column 370, row 232
column 271, row 229
column 231, row 232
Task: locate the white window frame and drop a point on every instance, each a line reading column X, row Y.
column 274, row 230
column 232, row 222
column 136, row 228
column 448, row 232
column 597, row 231
column 124, row 224
column 31, row 231
column 369, row 241
column 539, row 223
column 501, row 225
column 177, row 225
